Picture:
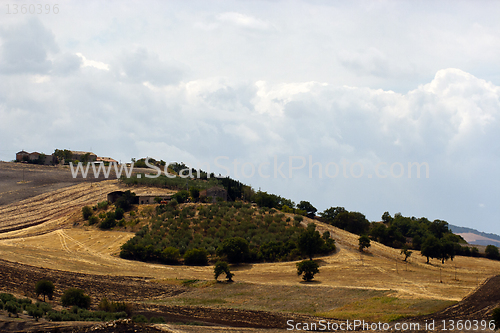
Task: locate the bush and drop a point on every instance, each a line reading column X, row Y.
column 7, row 297
column 222, row 267
column 170, row 255
column 107, row 306
column 157, row 320
column 35, row 311
column 119, row 213
column 12, row 307
column 45, row 288
column 140, row 319
column 1, row 305
column 109, row 222
column 86, row 212
column 364, row 242
column 308, row 268
column 196, row 257
column 102, row 205
column 75, row 296
column 93, row 220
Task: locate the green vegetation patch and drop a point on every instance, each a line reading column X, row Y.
column 269, row 236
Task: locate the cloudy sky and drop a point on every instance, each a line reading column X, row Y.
column 358, row 89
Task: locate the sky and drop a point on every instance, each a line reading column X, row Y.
column 338, row 103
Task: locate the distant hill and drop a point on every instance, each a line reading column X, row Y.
column 473, row 236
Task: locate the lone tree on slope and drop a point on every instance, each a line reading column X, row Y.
column 45, row 288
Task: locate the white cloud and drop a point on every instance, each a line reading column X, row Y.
column 92, row 63
column 242, row 20
column 392, row 83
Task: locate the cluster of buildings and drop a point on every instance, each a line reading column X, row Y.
column 52, row 159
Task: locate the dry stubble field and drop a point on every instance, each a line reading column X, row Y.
column 376, row 285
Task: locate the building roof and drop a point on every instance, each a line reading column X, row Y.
column 77, row 152
column 106, row 159
column 22, row 152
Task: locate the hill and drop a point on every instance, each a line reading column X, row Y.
column 473, row 236
column 375, row 285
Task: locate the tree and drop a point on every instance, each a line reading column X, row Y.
column 75, row 296
column 407, row 253
column 353, row 222
column 126, row 201
column 235, row 249
column 195, row 193
column 222, row 267
column 491, row 252
column 431, row 248
column 181, row 196
column 387, row 218
column 310, row 209
column 196, row 257
column 86, row 212
column 310, row 241
column 364, row 242
column 308, row 268
column 45, row 288
column 331, row 213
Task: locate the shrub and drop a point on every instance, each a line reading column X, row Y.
column 109, row 222
column 12, row 307
column 45, row 288
column 75, row 296
column 1, row 305
column 34, row 311
column 140, row 319
column 93, row 220
column 107, row 306
column 196, row 257
column 86, row 212
column 102, row 205
column 364, row 242
column 7, row 297
column 222, row 267
column 170, row 255
column 157, row 320
column 119, row 213
column 308, row 268
column 298, row 218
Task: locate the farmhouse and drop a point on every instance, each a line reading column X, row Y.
column 24, row 156
column 145, row 199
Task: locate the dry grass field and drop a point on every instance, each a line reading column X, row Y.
column 376, row 285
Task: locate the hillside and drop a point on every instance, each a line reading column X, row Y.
column 473, row 236
column 376, row 285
